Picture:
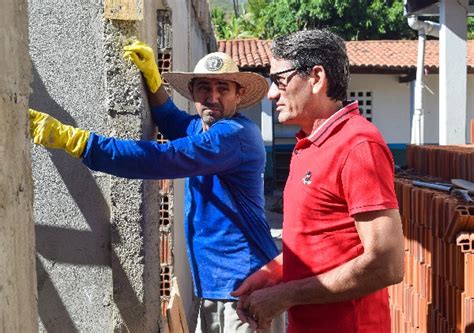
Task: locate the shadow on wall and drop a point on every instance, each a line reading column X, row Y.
column 76, row 247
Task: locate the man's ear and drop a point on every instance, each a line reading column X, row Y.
column 317, row 78
column 240, row 92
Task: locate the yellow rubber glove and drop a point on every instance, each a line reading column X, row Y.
column 50, row 132
column 142, row 56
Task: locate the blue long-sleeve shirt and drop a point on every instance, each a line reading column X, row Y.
column 227, row 236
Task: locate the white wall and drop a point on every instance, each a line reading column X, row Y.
column 431, row 109
column 390, row 108
column 391, row 105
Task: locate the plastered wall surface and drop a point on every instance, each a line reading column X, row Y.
column 71, row 203
column 391, row 105
column 432, row 107
column 96, row 241
column 18, row 311
column 97, row 235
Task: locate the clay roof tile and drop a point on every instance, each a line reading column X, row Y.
column 390, row 55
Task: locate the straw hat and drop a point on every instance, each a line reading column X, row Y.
column 220, row 65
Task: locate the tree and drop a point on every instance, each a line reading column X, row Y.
column 236, row 7
column 228, row 28
column 470, row 27
column 351, row 19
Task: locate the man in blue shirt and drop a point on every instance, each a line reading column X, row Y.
column 222, row 154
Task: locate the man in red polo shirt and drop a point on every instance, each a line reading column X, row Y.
column 342, row 236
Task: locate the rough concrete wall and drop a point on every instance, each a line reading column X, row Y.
column 18, row 310
column 96, row 238
column 97, row 235
column 72, row 212
column 135, row 213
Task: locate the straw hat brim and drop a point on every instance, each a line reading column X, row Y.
column 256, row 86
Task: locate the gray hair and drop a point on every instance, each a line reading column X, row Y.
column 308, row 48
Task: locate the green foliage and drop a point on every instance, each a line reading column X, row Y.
column 351, row 19
column 470, row 27
column 228, row 28
column 226, row 5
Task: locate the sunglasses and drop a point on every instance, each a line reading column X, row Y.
column 276, row 78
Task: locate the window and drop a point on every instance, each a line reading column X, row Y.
column 365, row 102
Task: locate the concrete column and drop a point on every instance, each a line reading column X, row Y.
column 134, row 206
column 18, row 310
column 267, row 122
column 452, row 72
column 267, row 134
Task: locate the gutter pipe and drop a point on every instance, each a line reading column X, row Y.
column 424, row 28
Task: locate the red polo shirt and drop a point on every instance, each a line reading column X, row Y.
column 344, row 167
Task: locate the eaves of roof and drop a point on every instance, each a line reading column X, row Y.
column 375, row 56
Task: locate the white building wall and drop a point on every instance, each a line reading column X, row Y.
column 391, row 105
column 431, row 109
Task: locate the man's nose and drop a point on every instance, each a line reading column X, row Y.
column 213, row 96
column 273, row 92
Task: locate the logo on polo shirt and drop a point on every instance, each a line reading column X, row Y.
column 307, row 178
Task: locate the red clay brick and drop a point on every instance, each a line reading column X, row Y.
column 469, row 275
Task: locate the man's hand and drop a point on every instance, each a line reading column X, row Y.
column 50, row 132
column 269, row 275
column 142, row 56
column 260, row 307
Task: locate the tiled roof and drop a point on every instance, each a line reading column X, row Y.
column 397, row 54
column 249, row 54
column 364, row 56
